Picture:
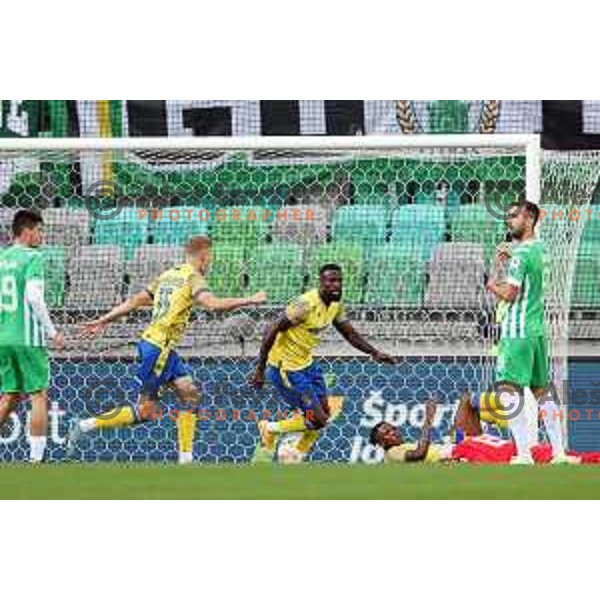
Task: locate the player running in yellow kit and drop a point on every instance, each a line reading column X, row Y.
column 173, row 294
column 286, row 360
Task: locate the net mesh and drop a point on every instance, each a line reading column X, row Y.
column 414, row 230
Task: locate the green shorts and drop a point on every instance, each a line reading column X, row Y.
column 523, row 361
column 23, row 369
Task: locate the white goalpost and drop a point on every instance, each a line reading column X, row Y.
column 413, row 221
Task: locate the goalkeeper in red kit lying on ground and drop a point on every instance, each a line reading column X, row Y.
column 470, row 445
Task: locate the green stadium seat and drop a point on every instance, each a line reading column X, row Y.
column 277, row 269
column 126, row 230
column 585, row 292
column 591, row 230
column 350, row 257
column 425, row 198
column 366, row 225
column 422, row 225
column 473, row 223
column 54, row 261
column 396, row 275
column 243, row 225
column 226, row 277
column 452, row 204
column 178, row 224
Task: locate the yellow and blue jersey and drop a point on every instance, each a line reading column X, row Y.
column 435, row 453
column 293, row 349
column 173, row 291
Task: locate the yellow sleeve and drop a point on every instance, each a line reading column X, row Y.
column 153, row 286
column 197, row 284
column 297, row 310
column 396, row 454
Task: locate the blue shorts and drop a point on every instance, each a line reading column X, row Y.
column 151, row 377
column 303, row 389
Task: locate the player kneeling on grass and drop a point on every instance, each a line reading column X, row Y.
column 24, row 325
column 173, row 294
column 286, row 360
column 471, row 444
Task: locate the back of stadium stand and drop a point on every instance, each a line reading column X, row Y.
column 306, row 231
column 68, row 228
column 88, row 291
column 125, row 229
column 148, row 262
column 396, row 275
column 177, row 225
column 6, row 217
column 228, row 272
column 457, row 277
column 366, row 225
column 277, row 268
column 424, row 225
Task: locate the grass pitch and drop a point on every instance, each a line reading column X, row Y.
column 145, row 481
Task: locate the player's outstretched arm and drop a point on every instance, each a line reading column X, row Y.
column 420, row 452
column 141, row 299
column 210, row 302
column 257, row 379
column 355, row 339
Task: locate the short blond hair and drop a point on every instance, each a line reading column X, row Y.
column 197, row 244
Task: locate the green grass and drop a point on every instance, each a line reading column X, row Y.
column 145, row 481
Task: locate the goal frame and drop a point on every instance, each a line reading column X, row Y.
column 529, row 143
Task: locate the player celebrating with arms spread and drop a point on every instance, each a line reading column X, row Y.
column 288, row 348
column 174, row 293
column 523, row 360
column 24, row 325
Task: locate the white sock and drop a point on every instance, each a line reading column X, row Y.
column 553, row 421
column 87, row 425
column 37, row 445
column 185, row 457
column 531, row 405
column 519, row 424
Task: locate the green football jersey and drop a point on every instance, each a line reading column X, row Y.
column 18, row 324
column 525, row 316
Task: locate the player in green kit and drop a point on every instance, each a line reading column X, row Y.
column 24, row 325
column 523, row 359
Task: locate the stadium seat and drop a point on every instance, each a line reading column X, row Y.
column 6, row 217
column 177, row 225
column 396, row 275
column 425, row 198
column 95, row 278
column 111, row 254
column 350, row 257
column 68, row 228
column 243, row 226
column 227, row 274
column 126, row 229
column 418, row 224
column 591, row 230
column 54, row 262
column 372, row 192
column 365, row 225
column 148, row 262
column 306, row 231
column 473, row 223
column 457, row 277
column 585, row 292
column 277, row 269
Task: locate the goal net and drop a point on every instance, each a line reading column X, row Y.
column 414, row 223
